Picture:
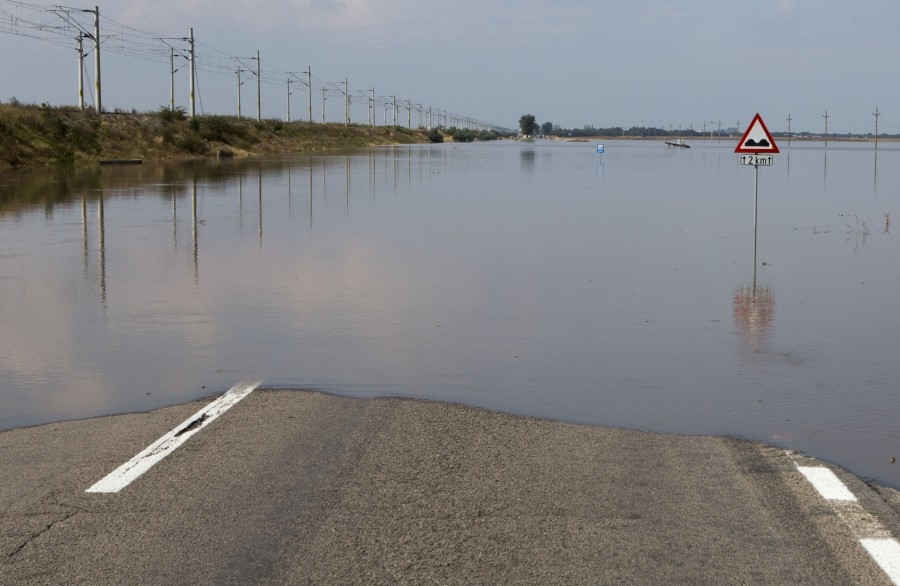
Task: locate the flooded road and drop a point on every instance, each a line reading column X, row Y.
column 538, row 278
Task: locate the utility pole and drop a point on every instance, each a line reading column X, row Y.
column 97, row 57
column 395, row 109
column 346, row 103
column 826, row 116
column 373, row 107
column 258, row 89
column 80, row 50
column 789, row 129
column 309, row 81
column 192, row 74
column 408, row 115
column 239, row 83
column 172, row 79
column 323, row 104
column 876, row 114
column 289, row 99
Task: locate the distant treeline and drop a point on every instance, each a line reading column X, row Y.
column 589, row 130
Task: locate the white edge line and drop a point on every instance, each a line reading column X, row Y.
column 827, row 483
column 132, row 469
column 886, row 553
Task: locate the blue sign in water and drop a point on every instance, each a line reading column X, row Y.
column 599, row 148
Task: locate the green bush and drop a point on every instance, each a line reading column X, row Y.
column 168, row 115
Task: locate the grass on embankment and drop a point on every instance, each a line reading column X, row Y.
column 44, row 135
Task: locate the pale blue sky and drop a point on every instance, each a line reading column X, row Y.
column 571, row 62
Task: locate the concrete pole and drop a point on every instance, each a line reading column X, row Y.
column 171, row 79
column 309, row 81
column 258, row 89
column 97, row 58
column 289, row 99
column 239, row 89
column 80, row 71
column 346, row 103
column 191, row 97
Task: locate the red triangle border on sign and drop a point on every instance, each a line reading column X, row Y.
column 753, row 150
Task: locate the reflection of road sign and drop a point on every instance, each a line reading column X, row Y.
column 758, row 160
column 599, row 148
column 757, row 139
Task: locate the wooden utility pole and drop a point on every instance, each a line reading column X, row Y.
column 876, row 114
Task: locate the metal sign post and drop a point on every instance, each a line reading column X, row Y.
column 756, row 148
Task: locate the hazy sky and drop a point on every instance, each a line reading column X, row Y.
column 570, row 62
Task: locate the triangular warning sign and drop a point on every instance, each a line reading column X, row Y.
column 757, row 139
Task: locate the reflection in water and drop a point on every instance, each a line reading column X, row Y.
column 754, row 312
column 461, row 281
column 875, row 168
column 526, row 156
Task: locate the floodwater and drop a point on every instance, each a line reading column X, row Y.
column 537, row 278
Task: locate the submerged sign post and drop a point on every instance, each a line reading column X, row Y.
column 757, row 148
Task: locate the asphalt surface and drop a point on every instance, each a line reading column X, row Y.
column 295, row 487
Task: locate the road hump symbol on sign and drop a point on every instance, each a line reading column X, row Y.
column 757, row 139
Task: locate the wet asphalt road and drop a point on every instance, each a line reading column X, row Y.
column 295, row 487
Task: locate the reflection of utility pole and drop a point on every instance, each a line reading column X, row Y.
column 876, row 114
column 260, row 203
column 194, row 236
column 101, row 242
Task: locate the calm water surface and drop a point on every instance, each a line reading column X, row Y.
column 544, row 279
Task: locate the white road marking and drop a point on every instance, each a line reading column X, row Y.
column 871, row 534
column 886, row 553
column 132, row 469
column 829, row 486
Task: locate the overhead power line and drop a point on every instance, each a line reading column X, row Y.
column 68, row 27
